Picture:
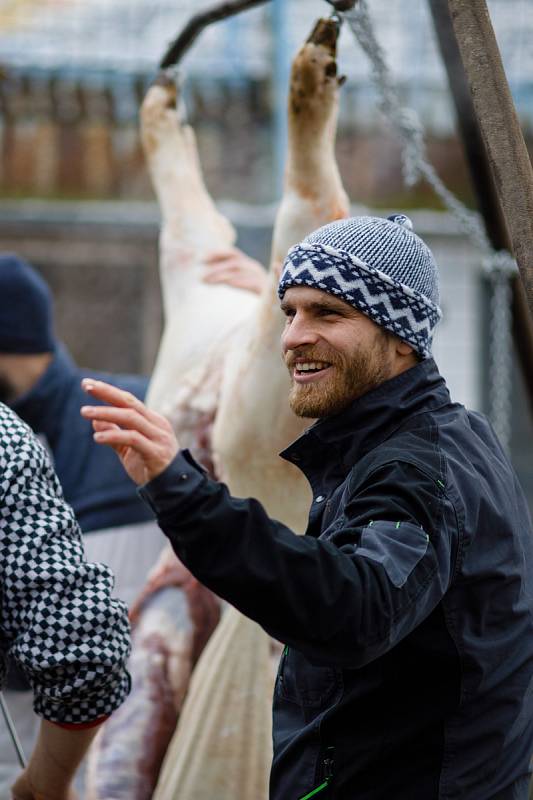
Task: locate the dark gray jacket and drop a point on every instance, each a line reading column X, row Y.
column 407, row 609
column 93, row 481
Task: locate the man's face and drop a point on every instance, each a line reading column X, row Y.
column 334, row 353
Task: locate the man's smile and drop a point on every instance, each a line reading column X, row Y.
column 308, row 371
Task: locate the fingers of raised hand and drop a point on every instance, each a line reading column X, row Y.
column 250, row 275
column 113, row 395
column 119, row 428
column 124, row 417
column 118, row 398
column 221, row 274
column 99, row 426
column 233, row 258
column 119, row 437
column 223, row 255
column 155, row 455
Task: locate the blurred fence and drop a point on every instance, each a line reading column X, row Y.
column 73, row 72
column 129, row 37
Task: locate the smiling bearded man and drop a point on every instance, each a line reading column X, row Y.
column 345, row 315
column 406, row 609
column 344, row 354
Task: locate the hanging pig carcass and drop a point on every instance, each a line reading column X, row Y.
column 220, row 378
column 245, row 448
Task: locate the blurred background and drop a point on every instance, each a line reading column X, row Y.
column 76, row 201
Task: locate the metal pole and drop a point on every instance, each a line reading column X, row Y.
column 11, row 728
column 282, row 70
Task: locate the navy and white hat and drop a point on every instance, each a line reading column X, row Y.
column 377, row 265
column 26, row 312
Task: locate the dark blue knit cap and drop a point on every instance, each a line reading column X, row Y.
column 26, row 324
column 379, row 266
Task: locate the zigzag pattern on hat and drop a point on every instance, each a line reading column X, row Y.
column 396, row 307
column 391, row 248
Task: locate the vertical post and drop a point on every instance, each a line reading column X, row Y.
column 282, row 68
column 482, row 177
column 500, row 128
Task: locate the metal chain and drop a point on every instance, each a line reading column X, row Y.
column 500, row 350
column 499, row 265
column 407, row 125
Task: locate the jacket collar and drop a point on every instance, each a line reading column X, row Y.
column 370, row 419
column 43, row 407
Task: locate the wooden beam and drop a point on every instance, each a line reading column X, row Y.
column 499, row 126
column 483, row 178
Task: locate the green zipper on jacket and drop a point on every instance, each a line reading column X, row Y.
column 316, row 791
column 328, row 774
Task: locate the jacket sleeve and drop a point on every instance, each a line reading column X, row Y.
column 345, row 598
column 58, row 619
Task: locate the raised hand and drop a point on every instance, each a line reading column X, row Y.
column 235, row 268
column 143, row 440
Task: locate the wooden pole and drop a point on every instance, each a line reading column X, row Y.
column 499, row 127
column 483, row 179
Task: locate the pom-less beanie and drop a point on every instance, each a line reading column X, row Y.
column 26, row 324
column 377, row 265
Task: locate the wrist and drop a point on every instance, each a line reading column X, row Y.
column 56, row 757
column 46, row 773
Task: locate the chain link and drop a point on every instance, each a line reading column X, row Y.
column 499, row 265
column 500, row 352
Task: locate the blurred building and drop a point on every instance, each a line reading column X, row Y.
column 74, row 73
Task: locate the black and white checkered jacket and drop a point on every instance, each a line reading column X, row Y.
column 57, row 618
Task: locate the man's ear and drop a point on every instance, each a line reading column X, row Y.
column 402, row 348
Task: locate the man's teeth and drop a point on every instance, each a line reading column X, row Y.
column 311, row 365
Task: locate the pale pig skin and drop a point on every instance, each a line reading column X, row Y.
column 220, row 379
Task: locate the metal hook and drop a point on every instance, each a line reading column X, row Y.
column 198, row 22
column 342, row 5
column 336, row 18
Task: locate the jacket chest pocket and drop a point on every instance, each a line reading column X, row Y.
column 307, row 685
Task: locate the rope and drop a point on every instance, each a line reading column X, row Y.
column 499, row 264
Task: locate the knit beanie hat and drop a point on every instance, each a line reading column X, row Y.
column 377, row 265
column 26, row 324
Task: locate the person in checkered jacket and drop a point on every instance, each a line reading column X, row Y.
column 57, row 617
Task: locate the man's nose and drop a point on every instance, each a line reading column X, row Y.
column 298, row 332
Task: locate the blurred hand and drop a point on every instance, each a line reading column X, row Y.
column 24, row 789
column 167, row 571
column 235, row 268
column 56, row 755
column 143, row 440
